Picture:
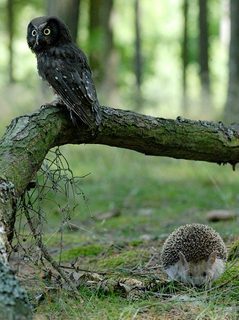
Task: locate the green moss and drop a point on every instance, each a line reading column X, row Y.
column 135, row 243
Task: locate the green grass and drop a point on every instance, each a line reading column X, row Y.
column 127, row 258
column 154, row 196
column 95, row 307
column 90, row 250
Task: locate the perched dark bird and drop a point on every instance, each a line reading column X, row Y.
column 64, row 66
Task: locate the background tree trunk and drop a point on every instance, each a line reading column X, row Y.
column 204, row 55
column 68, row 11
column 138, row 55
column 101, row 36
column 231, row 113
column 101, row 42
column 185, row 57
column 95, row 34
column 10, row 28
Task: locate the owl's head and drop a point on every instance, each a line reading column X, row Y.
column 44, row 32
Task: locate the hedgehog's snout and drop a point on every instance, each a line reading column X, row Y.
column 199, row 281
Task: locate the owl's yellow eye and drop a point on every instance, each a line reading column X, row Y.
column 47, row 31
column 34, row 33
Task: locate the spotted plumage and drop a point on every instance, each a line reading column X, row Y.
column 194, row 253
column 64, row 66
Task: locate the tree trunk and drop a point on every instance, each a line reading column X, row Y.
column 13, row 299
column 10, row 27
column 231, row 113
column 101, row 40
column 68, row 11
column 204, row 55
column 185, row 57
column 138, row 55
column 94, row 37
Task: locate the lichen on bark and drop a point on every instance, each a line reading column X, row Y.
column 13, row 298
column 14, row 304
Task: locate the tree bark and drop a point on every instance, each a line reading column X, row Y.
column 28, row 139
column 13, row 299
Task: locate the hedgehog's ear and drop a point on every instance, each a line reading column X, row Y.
column 182, row 259
column 212, row 258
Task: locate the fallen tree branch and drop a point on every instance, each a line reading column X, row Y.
column 28, row 139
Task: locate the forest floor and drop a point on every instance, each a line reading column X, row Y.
column 126, row 207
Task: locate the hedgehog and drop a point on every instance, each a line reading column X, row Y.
column 194, row 254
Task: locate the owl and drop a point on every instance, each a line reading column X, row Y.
column 64, row 66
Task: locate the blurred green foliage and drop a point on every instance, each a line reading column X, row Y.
column 161, row 28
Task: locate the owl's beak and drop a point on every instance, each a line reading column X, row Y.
column 37, row 40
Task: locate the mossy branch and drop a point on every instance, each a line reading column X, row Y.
column 29, row 137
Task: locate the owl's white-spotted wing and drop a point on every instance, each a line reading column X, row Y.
column 74, row 85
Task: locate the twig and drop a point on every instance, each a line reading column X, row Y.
column 46, row 254
column 86, row 270
column 107, row 272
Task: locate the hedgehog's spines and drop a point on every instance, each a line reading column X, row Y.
column 195, row 241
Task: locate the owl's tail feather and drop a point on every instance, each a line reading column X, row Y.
column 97, row 112
column 91, row 119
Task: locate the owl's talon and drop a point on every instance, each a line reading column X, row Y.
column 55, row 103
